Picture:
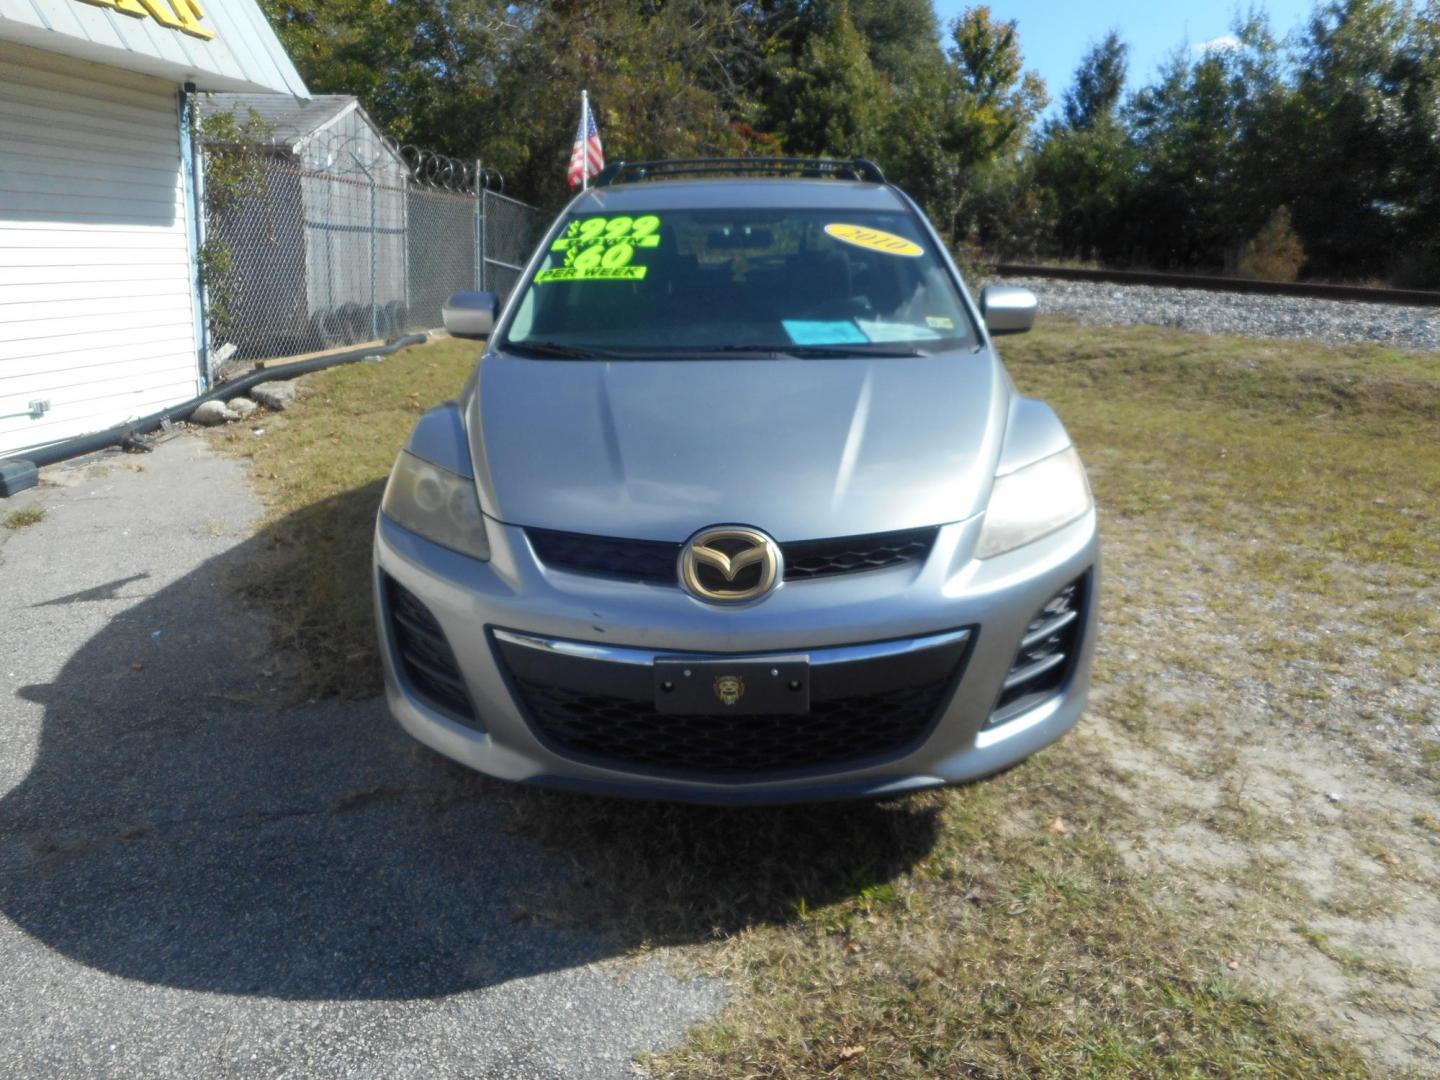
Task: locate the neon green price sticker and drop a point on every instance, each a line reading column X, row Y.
column 593, row 273
column 606, row 241
column 603, row 230
column 603, row 249
column 566, row 243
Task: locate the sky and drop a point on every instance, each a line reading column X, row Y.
column 1055, row 34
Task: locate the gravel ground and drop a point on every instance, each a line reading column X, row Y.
column 1336, row 322
column 196, row 883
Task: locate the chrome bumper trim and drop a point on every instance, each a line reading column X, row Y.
column 832, row 654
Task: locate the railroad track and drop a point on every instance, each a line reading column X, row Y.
column 1402, row 297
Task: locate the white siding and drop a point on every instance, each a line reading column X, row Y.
column 96, row 312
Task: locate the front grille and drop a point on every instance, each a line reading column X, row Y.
column 629, row 732
column 626, row 560
column 425, row 656
column 822, row 558
column 861, row 712
column 654, row 562
column 1046, row 655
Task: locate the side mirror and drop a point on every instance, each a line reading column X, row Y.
column 1007, row 309
column 471, row 314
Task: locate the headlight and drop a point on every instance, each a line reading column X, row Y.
column 436, row 503
column 1031, row 502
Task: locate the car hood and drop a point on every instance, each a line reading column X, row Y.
column 802, row 449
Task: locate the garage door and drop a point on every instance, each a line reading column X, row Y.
column 96, row 313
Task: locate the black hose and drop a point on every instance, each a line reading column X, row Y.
column 88, row 444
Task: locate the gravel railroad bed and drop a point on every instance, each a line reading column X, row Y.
column 1337, row 322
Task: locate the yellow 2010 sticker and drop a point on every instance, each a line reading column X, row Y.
column 875, row 240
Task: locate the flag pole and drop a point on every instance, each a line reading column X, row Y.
column 585, row 137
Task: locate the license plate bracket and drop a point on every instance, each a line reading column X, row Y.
column 770, row 687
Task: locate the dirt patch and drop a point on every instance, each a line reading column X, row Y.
column 1281, row 791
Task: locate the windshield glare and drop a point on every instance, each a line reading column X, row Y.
column 705, row 281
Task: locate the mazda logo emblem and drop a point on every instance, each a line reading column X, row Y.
column 729, row 564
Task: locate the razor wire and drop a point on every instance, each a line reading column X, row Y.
column 347, row 238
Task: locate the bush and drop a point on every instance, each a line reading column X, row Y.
column 1276, row 253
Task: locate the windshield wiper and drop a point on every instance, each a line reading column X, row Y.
column 557, row 350
column 815, row 352
column 827, row 352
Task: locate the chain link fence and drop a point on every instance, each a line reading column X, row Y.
column 344, row 240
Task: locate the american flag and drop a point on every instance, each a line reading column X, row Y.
column 587, row 158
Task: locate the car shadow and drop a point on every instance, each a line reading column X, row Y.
column 181, row 826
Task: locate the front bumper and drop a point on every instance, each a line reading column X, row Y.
column 988, row 604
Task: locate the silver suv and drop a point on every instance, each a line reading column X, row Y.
column 738, row 505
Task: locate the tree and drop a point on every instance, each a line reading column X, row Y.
column 425, row 69
column 901, row 36
column 501, row 80
column 1363, row 120
column 840, row 100
column 1086, row 164
column 655, row 76
column 1099, row 82
column 997, row 101
column 988, row 105
column 832, row 69
column 1090, row 176
column 1206, row 136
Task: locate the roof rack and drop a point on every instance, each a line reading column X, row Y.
column 629, row 172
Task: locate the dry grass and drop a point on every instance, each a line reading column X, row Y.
column 1009, row 929
column 1315, row 451
column 21, row 519
column 321, row 471
column 991, row 931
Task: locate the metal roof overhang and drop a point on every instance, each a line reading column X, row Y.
column 243, row 55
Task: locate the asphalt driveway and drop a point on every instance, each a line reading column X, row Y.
column 196, row 882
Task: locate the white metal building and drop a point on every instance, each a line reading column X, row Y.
column 99, row 303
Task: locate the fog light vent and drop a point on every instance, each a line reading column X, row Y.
column 425, row 656
column 1046, row 655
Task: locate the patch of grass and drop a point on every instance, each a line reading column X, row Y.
column 321, row 471
column 1129, row 705
column 1430, row 758
column 1004, row 948
column 1350, row 961
column 1297, row 450
column 1234, row 816
column 1360, row 895
column 22, row 519
column 1266, row 883
column 958, row 933
column 1256, row 376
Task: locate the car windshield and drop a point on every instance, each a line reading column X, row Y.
column 788, row 282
